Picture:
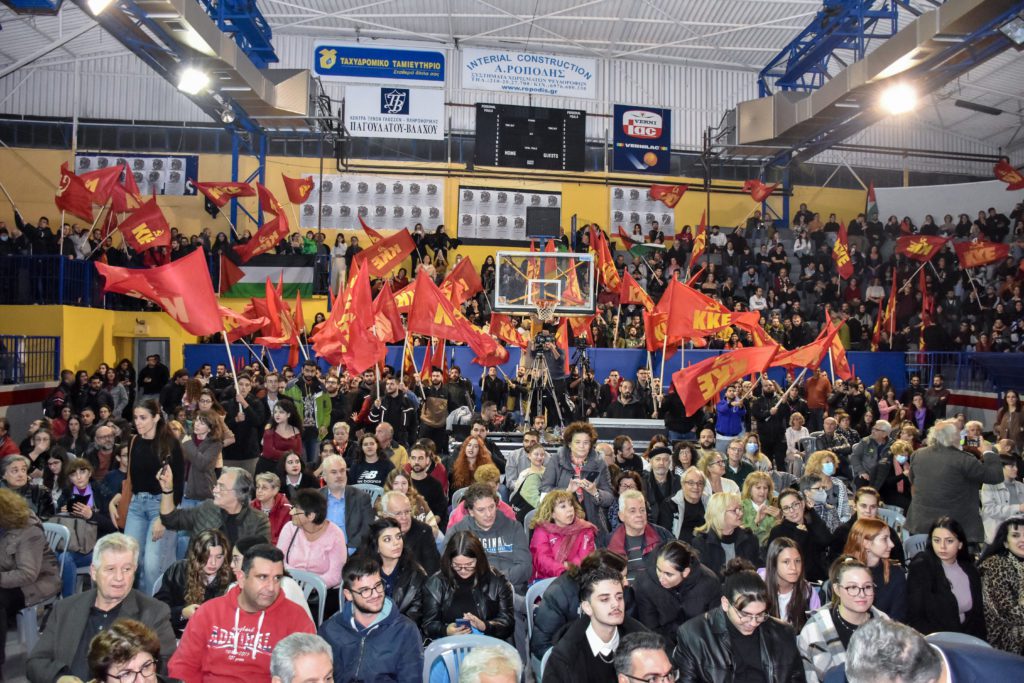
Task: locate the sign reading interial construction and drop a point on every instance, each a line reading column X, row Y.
column 529, row 72
column 154, row 173
column 394, row 112
column 379, row 65
column 642, row 139
column 384, row 202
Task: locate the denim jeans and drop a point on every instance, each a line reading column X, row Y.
column 72, row 562
column 154, row 556
column 183, row 536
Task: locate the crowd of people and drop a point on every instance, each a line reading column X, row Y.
column 752, row 541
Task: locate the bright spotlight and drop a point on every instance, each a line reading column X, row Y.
column 227, row 115
column 899, row 98
column 97, row 6
column 192, row 80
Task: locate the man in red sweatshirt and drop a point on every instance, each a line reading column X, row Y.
column 231, row 638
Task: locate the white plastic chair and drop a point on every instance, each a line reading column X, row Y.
column 451, row 650
column 310, row 582
column 914, row 545
column 544, row 663
column 372, row 489
column 457, row 496
column 526, row 521
column 58, row 537
column 894, row 519
column 157, row 585
column 534, row 594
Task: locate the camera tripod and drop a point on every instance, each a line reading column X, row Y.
column 538, row 377
column 581, row 366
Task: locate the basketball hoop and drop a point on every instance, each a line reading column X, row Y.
column 545, row 309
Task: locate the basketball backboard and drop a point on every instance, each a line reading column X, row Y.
column 525, row 280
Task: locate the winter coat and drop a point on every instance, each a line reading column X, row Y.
column 664, row 610
column 819, row 643
column 492, row 594
column 26, row 562
column 207, row 515
column 172, row 593
column 508, row 549
column 703, row 651
column 709, row 545
column 390, row 649
column 279, row 515
column 931, row 604
column 947, row 482
column 559, row 472
column 544, row 545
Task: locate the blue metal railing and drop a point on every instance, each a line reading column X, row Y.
column 47, row 280
column 29, row 359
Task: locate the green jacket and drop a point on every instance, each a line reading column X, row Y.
column 322, row 399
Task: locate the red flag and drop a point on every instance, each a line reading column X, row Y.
column 109, row 225
column 220, row 193
column 759, row 191
column 809, row 356
column 669, row 195
column 404, row 298
column 297, row 317
column 102, row 182
column 146, row 228
column 562, row 342
column 370, row 232
column 1004, row 171
column 345, row 338
column 841, row 254
column 700, row 242
column 921, row 248
column 181, row 288
column 927, row 309
column 693, row 278
column 268, row 202
column 655, row 329
column 240, row 325
column 886, row 316
column 692, row 315
column 386, row 254
column 436, row 316
column 630, row 292
column 387, row 321
column 981, row 253
column 462, row 282
column 266, row 238
column 298, row 189
column 605, row 264
column 840, row 365
column 73, row 196
column 502, row 328
column 700, row 383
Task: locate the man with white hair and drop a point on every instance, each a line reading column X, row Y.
column 62, row 653
column 490, row 665
column 947, row 481
column 868, row 452
column 417, row 535
column 302, row 658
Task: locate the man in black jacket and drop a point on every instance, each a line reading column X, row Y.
column 626, row 407
column 395, row 409
column 585, row 649
column 245, row 417
column 152, row 378
column 172, row 392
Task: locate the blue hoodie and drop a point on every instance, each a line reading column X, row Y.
column 390, row 649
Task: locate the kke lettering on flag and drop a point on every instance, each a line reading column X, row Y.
column 921, row 248
column 298, row 189
column 146, row 228
column 181, row 288
column 669, row 195
column 220, row 193
column 700, row 383
column 386, row 254
column 265, row 239
column 975, row 254
column 841, row 254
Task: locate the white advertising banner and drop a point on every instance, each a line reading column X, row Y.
column 632, row 205
column 394, row 112
column 385, row 203
column 939, row 200
column 529, row 72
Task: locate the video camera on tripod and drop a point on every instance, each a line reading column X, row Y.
column 542, row 338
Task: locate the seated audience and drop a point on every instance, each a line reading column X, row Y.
column 312, row 543
column 125, row 651
column 790, row 597
column 348, row 507
column 294, row 474
column 580, row 469
column 1002, row 585
column 302, row 658
column 712, row 466
column 684, row 512
column 801, row 524
column 505, row 539
column 737, row 639
column 869, row 542
column 835, row 509
column 943, row 584
column 866, row 502
column 721, row 538
column 271, row 502
column 228, row 510
column 416, row 535
column 561, row 536
column 680, row 588
column 14, row 470
column 83, row 509
column 490, row 665
column 760, row 514
column 635, row 538
column 403, row 577
column 204, row 574
column 489, row 476
column 399, row 480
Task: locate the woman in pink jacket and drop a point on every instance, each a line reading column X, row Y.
column 312, row 543
column 561, row 536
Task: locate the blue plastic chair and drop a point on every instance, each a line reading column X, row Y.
column 372, row 489
column 452, row 649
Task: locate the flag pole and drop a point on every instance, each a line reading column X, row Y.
column 60, row 247
column 9, row 198
column 618, row 320
column 790, row 387
column 405, row 349
column 255, row 355
column 231, row 364
column 664, row 352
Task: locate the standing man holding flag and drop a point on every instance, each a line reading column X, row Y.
column 314, row 405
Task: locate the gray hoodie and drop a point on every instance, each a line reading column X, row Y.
column 508, row 548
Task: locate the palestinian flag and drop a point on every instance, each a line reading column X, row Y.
column 637, row 249
column 294, row 270
column 871, row 210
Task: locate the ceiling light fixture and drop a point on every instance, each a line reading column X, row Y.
column 97, row 6
column 227, row 115
column 192, row 80
column 899, row 98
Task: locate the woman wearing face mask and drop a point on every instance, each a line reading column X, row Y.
column 826, row 635
column 801, row 524
column 679, row 589
column 944, row 586
column 870, row 543
column 790, row 597
column 892, row 475
column 826, row 463
column 753, row 455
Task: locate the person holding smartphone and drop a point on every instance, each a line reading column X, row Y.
column 83, row 503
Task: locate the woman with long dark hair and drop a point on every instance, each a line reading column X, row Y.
column 295, row 475
column 1002, row 585
column 1009, row 422
column 679, row 589
column 203, row 574
column 790, row 597
column 943, row 585
column 466, row 590
column 284, row 436
column 150, row 451
column 75, row 441
column 370, row 467
column 403, row 577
